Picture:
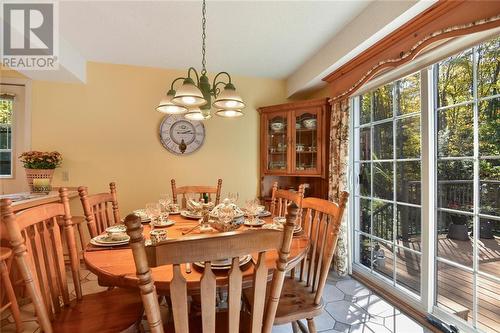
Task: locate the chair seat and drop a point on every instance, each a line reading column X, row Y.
column 105, row 312
column 296, row 302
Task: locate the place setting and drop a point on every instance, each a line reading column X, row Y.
column 115, row 236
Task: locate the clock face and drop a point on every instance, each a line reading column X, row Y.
column 181, row 136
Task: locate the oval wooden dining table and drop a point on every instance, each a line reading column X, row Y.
column 115, row 267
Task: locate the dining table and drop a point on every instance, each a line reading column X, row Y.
column 114, row 266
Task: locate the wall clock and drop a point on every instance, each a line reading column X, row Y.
column 180, row 135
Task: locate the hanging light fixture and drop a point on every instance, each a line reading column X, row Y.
column 193, row 98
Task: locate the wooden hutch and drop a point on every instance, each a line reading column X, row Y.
column 294, row 144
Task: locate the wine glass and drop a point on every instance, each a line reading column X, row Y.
column 164, row 202
column 252, row 207
column 233, row 196
column 153, row 212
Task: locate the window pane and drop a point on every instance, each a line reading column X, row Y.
column 408, row 184
column 383, row 259
column 6, row 111
column 365, row 250
column 455, row 184
column 489, row 62
column 408, row 227
column 489, row 127
column 382, row 219
column 408, row 265
column 383, row 180
column 408, row 94
column 489, row 246
column 364, row 215
column 365, row 112
column 364, row 179
column 455, row 79
column 5, row 137
column 408, row 137
column 382, row 102
column 453, row 241
column 382, row 141
column 364, row 143
column 455, row 131
column 489, row 175
column 454, row 290
column 5, row 163
column 488, row 302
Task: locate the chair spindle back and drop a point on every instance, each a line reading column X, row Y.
column 281, row 199
column 100, row 210
column 207, row 248
column 185, row 191
column 36, row 238
column 321, row 222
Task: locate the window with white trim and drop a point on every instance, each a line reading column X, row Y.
column 459, row 98
column 6, row 126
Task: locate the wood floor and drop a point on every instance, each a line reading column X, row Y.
column 455, row 285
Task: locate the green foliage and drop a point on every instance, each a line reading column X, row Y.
column 5, row 111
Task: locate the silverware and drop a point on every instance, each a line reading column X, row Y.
column 191, row 230
column 188, row 267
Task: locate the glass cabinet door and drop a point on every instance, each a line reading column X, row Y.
column 306, row 142
column 277, row 142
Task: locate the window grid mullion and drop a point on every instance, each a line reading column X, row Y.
column 394, row 206
column 475, row 219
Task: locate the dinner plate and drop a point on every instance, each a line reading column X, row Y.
column 167, row 223
column 265, row 214
column 224, row 265
column 189, row 215
column 175, row 213
column 256, row 223
column 279, row 227
column 117, row 228
column 142, row 214
column 104, row 240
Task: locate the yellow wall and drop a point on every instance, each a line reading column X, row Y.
column 107, row 130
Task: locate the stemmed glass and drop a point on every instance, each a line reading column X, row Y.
column 153, row 211
column 164, row 202
column 233, row 196
column 252, row 208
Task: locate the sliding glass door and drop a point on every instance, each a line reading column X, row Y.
column 459, row 98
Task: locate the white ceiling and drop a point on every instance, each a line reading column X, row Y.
column 253, row 38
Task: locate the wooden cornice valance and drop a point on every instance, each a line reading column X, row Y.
column 445, row 19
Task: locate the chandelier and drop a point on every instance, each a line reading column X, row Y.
column 194, row 97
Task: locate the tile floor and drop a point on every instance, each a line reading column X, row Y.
column 349, row 308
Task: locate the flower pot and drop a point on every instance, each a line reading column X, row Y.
column 458, row 232
column 38, row 174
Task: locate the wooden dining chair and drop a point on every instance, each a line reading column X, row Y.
column 282, row 198
column 36, row 235
column 207, row 248
column 100, row 210
column 301, row 296
column 197, row 190
column 7, row 289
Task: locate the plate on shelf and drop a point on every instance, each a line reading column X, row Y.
column 224, row 264
column 105, row 240
column 256, row 223
column 162, row 224
column 189, row 215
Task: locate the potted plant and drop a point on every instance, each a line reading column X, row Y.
column 40, row 165
column 458, row 228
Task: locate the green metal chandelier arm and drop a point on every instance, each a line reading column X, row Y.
column 215, row 83
column 173, row 82
column 197, row 75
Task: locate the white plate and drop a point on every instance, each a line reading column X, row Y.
column 175, row 213
column 189, row 215
column 265, row 214
column 243, row 261
column 162, row 224
column 98, row 241
column 257, row 223
column 279, row 227
column 117, row 228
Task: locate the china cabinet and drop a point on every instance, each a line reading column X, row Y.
column 294, row 145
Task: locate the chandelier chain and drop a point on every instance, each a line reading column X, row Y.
column 203, row 37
